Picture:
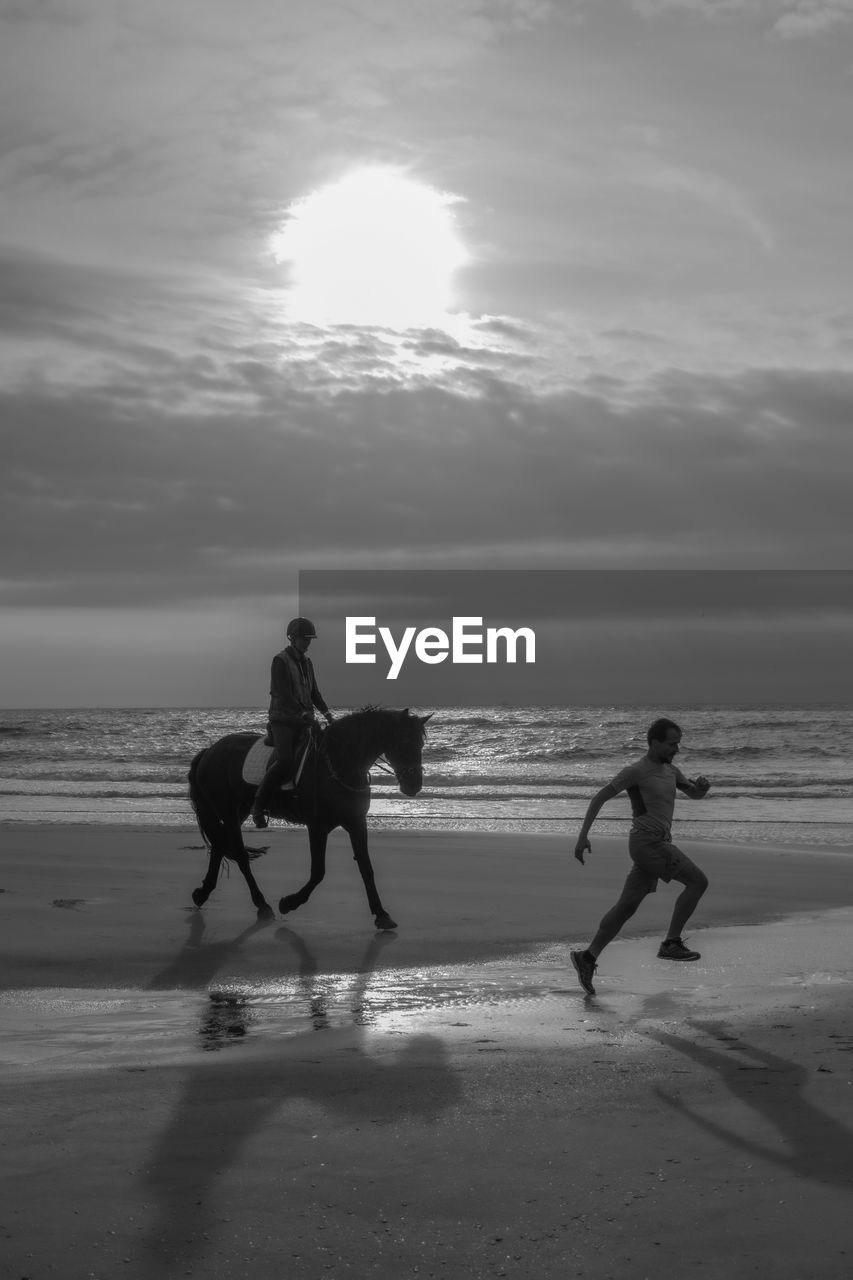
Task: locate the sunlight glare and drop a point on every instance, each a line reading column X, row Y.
column 375, row 248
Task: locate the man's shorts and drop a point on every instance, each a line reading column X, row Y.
column 656, row 859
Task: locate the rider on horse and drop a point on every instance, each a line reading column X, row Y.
column 293, row 697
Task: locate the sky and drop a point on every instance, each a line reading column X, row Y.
column 413, row 284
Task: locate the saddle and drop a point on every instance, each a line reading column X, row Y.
column 259, row 757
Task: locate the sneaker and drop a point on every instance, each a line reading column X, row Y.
column 585, row 968
column 260, row 818
column 674, row 949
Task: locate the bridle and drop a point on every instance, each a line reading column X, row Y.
column 400, row 774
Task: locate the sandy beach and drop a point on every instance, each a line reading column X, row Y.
column 191, row 1093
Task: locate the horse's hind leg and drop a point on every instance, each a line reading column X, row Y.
column 203, row 779
column 229, row 844
column 317, row 838
column 208, row 884
column 241, row 857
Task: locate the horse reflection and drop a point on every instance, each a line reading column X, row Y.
column 317, row 997
column 225, row 1021
column 230, row 1013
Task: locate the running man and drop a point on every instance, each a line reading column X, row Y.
column 651, row 784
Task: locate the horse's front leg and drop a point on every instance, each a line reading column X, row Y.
column 357, row 832
column 317, row 838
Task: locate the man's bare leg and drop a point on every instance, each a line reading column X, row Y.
column 685, row 904
column 611, row 923
column 695, row 883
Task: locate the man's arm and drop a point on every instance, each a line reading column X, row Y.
column 319, row 701
column 695, row 789
column 600, row 798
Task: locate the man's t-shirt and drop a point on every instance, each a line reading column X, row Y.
column 651, row 789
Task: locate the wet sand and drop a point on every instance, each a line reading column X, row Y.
column 107, row 906
column 187, row 1093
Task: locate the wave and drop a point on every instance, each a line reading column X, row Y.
column 92, row 793
column 781, row 762
column 24, row 731
column 784, row 784
column 555, row 754
column 100, row 770
column 774, row 751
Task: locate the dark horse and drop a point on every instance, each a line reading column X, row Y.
column 333, row 791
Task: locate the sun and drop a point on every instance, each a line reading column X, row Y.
column 374, row 248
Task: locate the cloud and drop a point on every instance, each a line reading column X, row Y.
column 812, row 17
column 788, row 18
column 145, row 192
column 713, row 9
column 208, row 101
column 102, row 502
column 714, row 192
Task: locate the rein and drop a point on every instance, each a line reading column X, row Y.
column 322, row 749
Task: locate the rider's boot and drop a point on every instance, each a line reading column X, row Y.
column 265, row 789
column 272, row 781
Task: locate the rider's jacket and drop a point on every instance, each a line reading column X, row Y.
column 293, row 689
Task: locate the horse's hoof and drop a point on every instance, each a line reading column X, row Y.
column 384, row 921
column 266, row 912
column 198, row 897
column 287, row 904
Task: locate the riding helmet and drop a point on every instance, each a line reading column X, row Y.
column 301, row 628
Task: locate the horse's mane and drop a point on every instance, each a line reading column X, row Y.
column 346, row 728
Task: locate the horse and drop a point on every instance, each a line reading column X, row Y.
column 333, row 790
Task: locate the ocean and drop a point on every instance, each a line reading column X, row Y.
column 779, row 774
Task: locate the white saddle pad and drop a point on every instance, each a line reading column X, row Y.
column 255, row 764
column 258, row 758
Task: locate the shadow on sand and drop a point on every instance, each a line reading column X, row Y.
column 198, row 961
column 228, row 1100
column 814, row 1145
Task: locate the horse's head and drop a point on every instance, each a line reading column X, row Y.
column 405, row 750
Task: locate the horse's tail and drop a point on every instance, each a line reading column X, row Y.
column 206, row 816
